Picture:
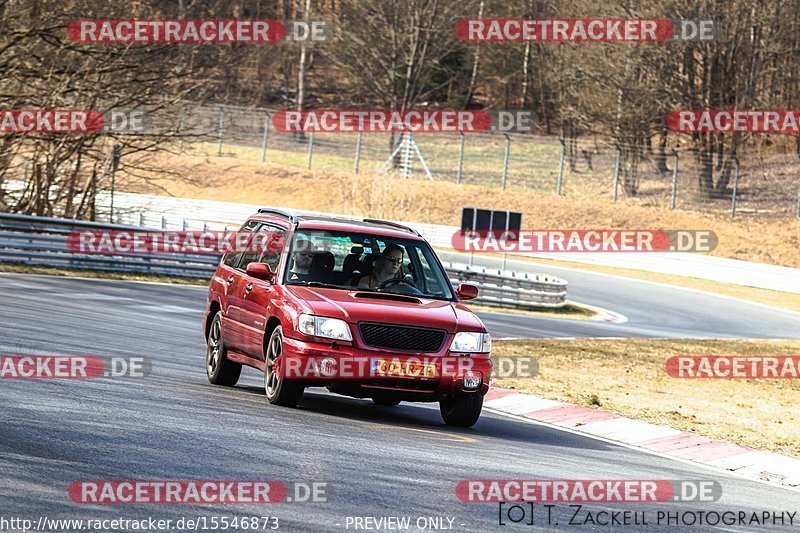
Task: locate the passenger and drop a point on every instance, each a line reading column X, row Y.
column 302, row 257
column 388, row 265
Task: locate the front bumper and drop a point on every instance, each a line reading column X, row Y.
column 348, row 367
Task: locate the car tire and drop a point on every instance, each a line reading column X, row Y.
column 219, row 369
column 461, row 410
column 279, row 390
column 386, row 401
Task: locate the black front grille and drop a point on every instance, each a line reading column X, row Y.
column 408, row 338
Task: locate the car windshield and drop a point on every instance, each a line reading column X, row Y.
column 350, row 260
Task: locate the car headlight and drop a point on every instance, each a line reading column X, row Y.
column 467, row 341
column 320, row 326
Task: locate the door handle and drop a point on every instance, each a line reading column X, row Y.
column 230, row 279
column 248, row 287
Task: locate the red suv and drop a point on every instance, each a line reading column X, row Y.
column 362, row 307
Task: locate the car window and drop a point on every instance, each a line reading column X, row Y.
column 346, row 260
column 264, row 247
column 431, row 279
column 232, row 257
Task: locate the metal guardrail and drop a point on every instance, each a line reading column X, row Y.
column 43, row 241
column 511, row 289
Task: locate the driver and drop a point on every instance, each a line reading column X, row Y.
column 302, row 257
column 388, row 265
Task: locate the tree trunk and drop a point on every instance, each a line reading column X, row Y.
column 301, row 72
column 475, row 61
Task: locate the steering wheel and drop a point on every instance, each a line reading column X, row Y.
column 398, row 281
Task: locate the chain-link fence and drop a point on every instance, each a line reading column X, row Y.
column 756, row 184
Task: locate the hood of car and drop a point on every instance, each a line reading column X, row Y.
column 356, row 306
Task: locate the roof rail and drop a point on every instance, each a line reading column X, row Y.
column 272, row 211
column 392, row 224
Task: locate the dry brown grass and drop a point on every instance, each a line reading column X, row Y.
column 627, row 377
column 775, row 241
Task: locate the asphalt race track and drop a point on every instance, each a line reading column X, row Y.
column 377, row 461
column 652, row 309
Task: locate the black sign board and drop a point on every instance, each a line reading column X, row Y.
column 485, row 219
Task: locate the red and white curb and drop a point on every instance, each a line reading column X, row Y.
column 665, row 441
column 602, row 314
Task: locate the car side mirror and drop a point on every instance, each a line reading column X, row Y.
column 467, row 291
column 261, row 271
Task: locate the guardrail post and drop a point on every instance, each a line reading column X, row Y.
column 310, row 148
column 265, row 139
column 358, row 152
column 561, row 166
column 220, row 130
column 460, row 159
column 674, row 179
column 505, row 160
column 735, row 186
column 798, row 203
column 616, row 174
column 405, row 164
column 115, row 155
column 93, row 206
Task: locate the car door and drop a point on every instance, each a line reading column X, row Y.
column 257, row 294
column 233, row 277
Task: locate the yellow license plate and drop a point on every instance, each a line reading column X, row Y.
column 403, row 369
